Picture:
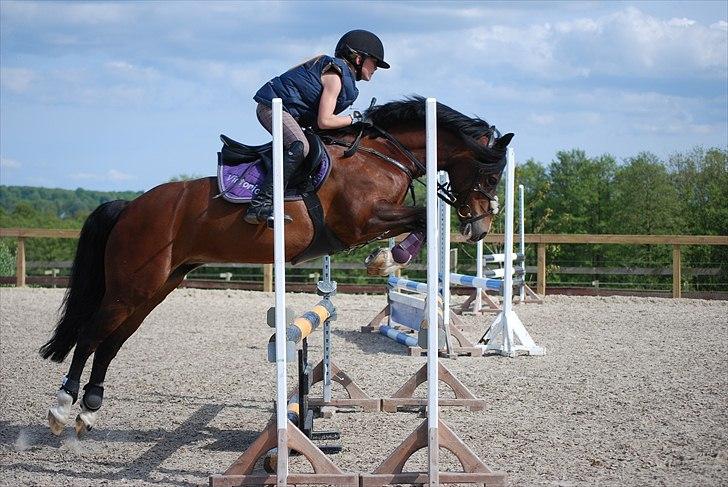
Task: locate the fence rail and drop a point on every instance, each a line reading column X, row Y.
column 541, row 241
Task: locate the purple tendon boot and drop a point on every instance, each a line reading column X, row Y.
column 383, row 262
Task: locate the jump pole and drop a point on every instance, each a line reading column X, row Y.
column 279, row 259
column 433, row 443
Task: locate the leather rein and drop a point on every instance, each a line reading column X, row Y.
column 444, row 191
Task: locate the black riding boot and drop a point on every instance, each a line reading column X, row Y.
column 261, row 207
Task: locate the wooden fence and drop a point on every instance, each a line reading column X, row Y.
column 541, row 241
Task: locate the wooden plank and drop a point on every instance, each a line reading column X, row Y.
column 676, row 272
column 556, row 238
column 268, row 278
column 39, row 233
column 541, row 273
column 20, row 263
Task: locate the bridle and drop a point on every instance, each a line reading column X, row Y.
column 445, row 191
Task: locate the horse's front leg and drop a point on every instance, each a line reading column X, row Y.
column 396, row 220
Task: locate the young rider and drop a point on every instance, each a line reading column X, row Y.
column 313, row 94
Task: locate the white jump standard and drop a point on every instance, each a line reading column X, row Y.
column 433, row 433
column 507, row 335
column 281, row 434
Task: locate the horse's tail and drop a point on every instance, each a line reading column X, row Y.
column 86, row 286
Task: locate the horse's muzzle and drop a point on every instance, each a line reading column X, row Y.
column 474, row 231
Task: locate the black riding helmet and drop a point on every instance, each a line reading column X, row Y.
column 364, row 43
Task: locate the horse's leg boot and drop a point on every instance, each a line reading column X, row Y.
column 260, row 209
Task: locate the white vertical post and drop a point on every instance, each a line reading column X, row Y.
column 444, row 260
column 327, row 336
column 279, row 254
column 522, row 231
column 508, row 250
column 478, row 305
column 432, row 292
column 507, row 326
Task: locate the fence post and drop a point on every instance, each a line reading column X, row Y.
column 676, row 272
column 268, row 278
column 541, row 270
column 20, row 263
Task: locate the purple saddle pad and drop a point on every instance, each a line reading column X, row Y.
column 239, row 183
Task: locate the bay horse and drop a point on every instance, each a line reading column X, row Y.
column 132, row 254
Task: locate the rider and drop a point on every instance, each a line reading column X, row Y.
column 313, row 94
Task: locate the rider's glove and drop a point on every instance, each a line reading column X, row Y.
column 357, row 117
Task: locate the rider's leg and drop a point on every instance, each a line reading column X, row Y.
column 295, row 150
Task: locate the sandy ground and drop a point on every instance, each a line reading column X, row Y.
column 632, row 391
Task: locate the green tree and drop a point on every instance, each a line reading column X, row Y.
column 645, row 200
column 536, row 186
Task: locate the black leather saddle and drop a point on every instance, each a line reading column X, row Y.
column 234, row 153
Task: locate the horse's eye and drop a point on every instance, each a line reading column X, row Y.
column 493, row 180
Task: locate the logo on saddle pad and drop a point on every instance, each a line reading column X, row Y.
column 240, row 183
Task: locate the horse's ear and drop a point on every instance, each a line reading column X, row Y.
column 502, row 142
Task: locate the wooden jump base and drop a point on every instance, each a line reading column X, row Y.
column 389, row 472
column 325, row 471
column 405, row 395
column 357, row 397
column 490, row 305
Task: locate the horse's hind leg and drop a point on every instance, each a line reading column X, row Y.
column 107, row 318
column 109, row 347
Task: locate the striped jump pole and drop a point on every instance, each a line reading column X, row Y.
column 302, row 327
column 409, row 285
column 477, row 282
column 398, row 336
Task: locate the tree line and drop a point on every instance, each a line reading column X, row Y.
column 686, row 193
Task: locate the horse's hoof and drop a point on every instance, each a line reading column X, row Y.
column 381, row 263
column 270, row 462
column 57, row 425
column 82, row 427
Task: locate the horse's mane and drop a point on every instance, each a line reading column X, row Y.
column 412, row 112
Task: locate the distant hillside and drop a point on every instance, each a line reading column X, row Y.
column 61, row 203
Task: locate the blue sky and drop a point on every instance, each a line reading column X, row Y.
column 125, row 95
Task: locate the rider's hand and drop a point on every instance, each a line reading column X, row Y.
column 357, row 117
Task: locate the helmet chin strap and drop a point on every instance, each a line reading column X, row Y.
column 358, row 66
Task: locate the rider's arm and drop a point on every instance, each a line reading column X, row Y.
column 332, row 87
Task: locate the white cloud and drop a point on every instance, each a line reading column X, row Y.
column 542, row 119
column 110, row 175
column 66, row 13
column 7, row 163
column 626, row 43
column 18, row 80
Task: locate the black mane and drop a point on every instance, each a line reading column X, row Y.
column 412, row 112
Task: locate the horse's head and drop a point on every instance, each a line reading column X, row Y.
column 469, row 149
column 475, row 172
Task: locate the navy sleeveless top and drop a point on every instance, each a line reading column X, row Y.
column 300, row 88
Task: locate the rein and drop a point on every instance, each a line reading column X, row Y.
column 444, row 191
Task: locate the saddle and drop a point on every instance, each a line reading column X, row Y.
column 242, row 168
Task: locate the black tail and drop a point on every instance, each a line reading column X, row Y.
column 87, row 284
